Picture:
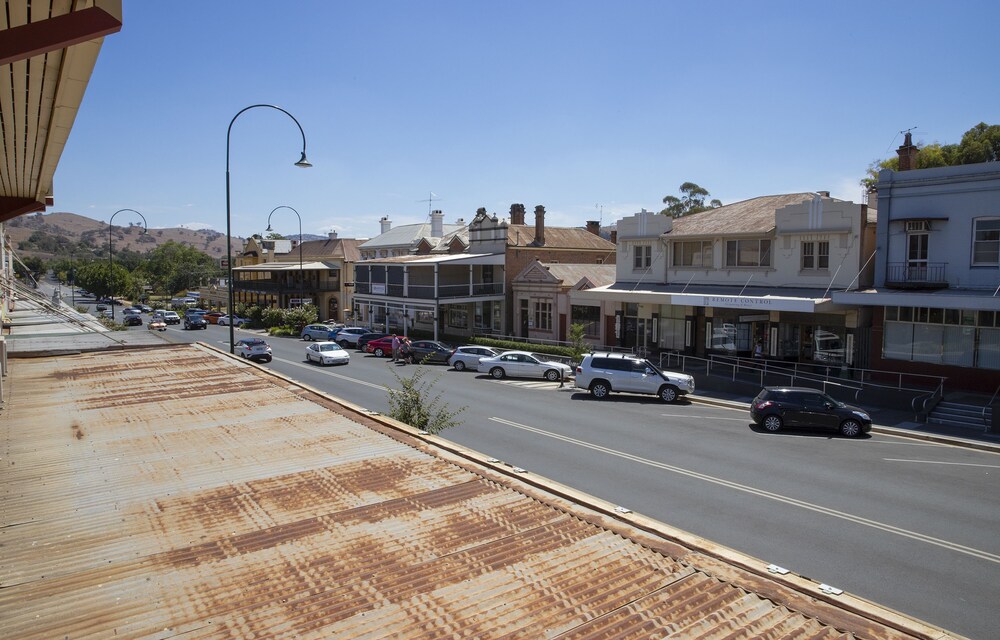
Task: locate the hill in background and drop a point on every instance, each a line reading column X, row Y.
column 70, row 228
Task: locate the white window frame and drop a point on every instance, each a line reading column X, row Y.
column 975, row 232
column 816, row 255
column 763, row 257
column 543, row 314
column 643, row 257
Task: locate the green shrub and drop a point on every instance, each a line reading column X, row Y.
column 510, row 345
column 413, row 405
column 283, row 330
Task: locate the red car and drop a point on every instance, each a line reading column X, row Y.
column 380, row 347
column 212, row 316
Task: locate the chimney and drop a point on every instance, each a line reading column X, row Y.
column 386, row 224
column 517, row 214
column 539, row 226
column 907, row 154
column 332, row 235
column 614, row 236
column 437, row 223
column 594, row 226
column 824, row 194
column 460, row 221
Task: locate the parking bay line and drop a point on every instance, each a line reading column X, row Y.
column 874, row 524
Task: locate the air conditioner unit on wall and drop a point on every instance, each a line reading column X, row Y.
column 918, row 225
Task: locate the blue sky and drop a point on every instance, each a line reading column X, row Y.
column 592, row 109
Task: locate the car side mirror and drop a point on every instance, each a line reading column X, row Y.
column 649, row 371
column 828, row 406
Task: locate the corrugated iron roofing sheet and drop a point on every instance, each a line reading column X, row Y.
column 180, row 492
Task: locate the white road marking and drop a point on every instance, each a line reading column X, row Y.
column 682, row 415
column 323, row 370
column 958, row 464
column 874, row 524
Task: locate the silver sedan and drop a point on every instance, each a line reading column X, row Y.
column 523, row 364
column 327, row 353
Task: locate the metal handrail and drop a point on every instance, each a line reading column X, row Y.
column 989, row 405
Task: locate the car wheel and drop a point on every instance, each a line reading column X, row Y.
column 498, row 373
column 459, row 365
column 772, row 423
column 552, row 375
column 344, row 344
column 600, row 390
column 307, row 337
column 378, row 352
column 668, row 393
column 850, row 428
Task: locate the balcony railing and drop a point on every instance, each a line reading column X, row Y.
column 269, row 286
column 908, row 275
column 426, row 291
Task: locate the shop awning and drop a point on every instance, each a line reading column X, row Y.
column 726, row 297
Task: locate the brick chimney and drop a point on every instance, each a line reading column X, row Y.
column 614, row 236
column 437, row 223
column 517, row 214
column 907, row 154
column 386, row 224
column 539, row 226
column 594, row 226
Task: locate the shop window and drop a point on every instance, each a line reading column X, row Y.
column 693, row 254
column 543, row 315
column 458, row 318
column 986, row 242
column 589, row 317
column 816, row 255
column 643, row 257
column 748, row 253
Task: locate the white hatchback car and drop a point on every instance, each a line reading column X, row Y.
column 327, row 353
column 524, row 364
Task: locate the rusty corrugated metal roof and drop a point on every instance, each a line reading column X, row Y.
column 177, row 491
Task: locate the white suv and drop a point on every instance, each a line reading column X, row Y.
column 602, row 372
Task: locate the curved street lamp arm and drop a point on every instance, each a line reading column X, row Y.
column 302, row 161
column 111, row 254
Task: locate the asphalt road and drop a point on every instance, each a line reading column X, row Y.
column 911, row 525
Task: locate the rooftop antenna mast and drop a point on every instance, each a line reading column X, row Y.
column 431, row 199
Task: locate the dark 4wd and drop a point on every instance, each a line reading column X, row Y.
column 195, row 322
column 775, row 408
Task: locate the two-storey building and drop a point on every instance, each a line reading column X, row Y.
column 751, row 278
column 936, row 298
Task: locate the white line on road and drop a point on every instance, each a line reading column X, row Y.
column 959, row 464
column 682, row 415
column 319, row 369
column 913, row 535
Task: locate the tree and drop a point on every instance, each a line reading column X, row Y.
column 413, row 405
column 981, row 143
column 692, row 201
column 577, row 344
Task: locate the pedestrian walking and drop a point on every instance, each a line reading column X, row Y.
column 758, row 351
column 395, row 347
column 405, row 351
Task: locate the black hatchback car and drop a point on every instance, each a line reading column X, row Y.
column 777, row 407
column 195, row 321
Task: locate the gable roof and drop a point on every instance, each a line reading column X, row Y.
column 567, row 274
column 345, row 249
column 755, row 215
column 406, row 235
column 522, row 235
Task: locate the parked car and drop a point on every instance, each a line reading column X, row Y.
column 327, row 353
column 775, row 408
column 171, row 317
column 236, row 321
column 195, row 321
column 129, row 311
column 429, row 351
column 524, row 364
column 132, row 320
column 255, row 349
column 602, row 372
column 380, row 347
column 146, row 308
column 212, row 317
column 101, row 307
column 365, row 338
column 107, row 313
column 348, row 336
column 467, row 357
column 156, row 324
column 317, row 332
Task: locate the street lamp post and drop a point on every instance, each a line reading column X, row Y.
column 111, row 256
column 229, row 234
column 301, row 274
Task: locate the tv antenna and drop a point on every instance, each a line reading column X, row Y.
column 600, row 214
column 430, row 200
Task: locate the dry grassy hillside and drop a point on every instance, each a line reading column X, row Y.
column 95, row 233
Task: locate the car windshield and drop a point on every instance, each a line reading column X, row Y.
column 330, row 347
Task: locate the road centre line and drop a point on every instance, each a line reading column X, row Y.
column 913, row 535
column 959, row 464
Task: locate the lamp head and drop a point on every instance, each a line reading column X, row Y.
column 268, row 228
column 305, row 164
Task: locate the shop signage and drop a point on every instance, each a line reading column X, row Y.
column 807, row 305
column 378, row 289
